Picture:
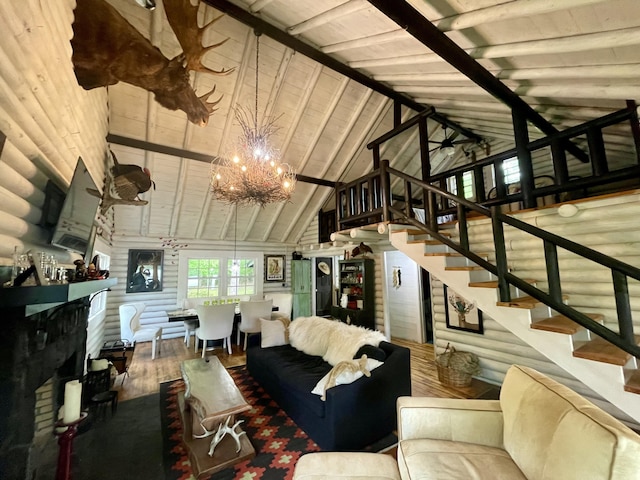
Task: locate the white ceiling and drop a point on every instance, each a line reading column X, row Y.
column 571, row 60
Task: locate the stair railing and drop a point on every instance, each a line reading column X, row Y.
column 620, row 271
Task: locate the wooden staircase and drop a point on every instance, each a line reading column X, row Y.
column 605, row 368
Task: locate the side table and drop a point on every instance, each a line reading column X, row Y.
column 120, row 354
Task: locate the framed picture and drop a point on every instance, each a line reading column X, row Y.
column 462, row 314
column 274, row 268
column 144, row 272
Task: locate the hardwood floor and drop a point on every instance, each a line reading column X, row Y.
column 145, row 375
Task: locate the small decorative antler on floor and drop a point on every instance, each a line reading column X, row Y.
column 218, row 435
column 224, row 429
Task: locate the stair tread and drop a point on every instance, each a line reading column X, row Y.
column 464, row 268
column 524, row 302
column 425, row 242
column 633, row 384
column 494, row 283
column 562, row 324
column 600, row 350
column 415, row 231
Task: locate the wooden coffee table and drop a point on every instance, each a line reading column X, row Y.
column 211, row 397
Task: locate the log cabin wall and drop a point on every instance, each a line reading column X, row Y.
column 48, row 120
column 158, row 303
column 602, row 224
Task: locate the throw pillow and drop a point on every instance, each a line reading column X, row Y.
column 371, row 352
column 274, row 332
column 344, row 373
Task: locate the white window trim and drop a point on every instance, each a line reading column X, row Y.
column 224, row 256
column 99, row 302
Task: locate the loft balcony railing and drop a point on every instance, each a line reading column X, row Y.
column 369, row 200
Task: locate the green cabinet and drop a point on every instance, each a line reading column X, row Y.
column 301, row 287
column 357, row 291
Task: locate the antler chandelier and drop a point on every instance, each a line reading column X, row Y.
column 253, row 174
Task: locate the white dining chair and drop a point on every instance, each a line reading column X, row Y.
column 189, row 325
column 216, row 323
column 250, row 315
column 132, row 330
column 282, row 300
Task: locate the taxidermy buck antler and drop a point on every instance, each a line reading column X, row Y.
column 107, row 49
column 219, row 434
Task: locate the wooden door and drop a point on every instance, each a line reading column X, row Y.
column 324, row 285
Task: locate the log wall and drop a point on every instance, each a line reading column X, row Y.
column 48, row 120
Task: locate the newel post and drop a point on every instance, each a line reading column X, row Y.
column 385, row 190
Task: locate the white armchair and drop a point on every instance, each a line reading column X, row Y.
column 132, row 330
column 539, row 429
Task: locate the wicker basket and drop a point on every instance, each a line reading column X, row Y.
column 456, row 369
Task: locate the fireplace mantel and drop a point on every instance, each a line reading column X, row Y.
column 40, row 298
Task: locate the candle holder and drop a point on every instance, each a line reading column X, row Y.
column 65, row 441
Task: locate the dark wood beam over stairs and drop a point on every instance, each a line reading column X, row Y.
column 424, row 31
column 287, row 40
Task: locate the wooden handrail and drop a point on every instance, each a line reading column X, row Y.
column 620, row 271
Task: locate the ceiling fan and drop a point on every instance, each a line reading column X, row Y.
column 447, row 145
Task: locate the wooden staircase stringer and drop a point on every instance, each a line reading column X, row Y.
column 605, row 379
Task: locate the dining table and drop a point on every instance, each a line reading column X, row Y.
column 190, row 317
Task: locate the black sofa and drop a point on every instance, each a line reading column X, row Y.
column 353, row 416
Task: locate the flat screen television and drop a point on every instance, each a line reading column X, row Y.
column 74, row 230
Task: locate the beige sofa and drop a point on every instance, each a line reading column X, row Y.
column 538, row 430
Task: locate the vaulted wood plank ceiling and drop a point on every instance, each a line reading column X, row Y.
column 570, row 60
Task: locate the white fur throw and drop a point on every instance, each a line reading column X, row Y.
column 345, row 341
column 332, row 340
column 310, row 334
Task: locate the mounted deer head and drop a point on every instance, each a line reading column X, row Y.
column 107, row 49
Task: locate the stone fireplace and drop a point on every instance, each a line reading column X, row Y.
column 38, row 354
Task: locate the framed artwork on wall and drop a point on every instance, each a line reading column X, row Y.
column 274, row 268
column 144, row 271
column 462, row 314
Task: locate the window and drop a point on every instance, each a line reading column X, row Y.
column 242, row 277
column 203, row 277
column 211, row 274
column 511, row 169
column 99, row 301
column 467, row 182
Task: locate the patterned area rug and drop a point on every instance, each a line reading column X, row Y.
column 277, row 440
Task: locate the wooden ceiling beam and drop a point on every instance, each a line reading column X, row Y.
column 424, row 31
column 200, row 157
column 287, row 40
column 329, row 16
column 505, row 11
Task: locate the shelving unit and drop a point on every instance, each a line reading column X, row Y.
column 356, row 281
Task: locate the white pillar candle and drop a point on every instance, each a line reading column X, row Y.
column 72, row 401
